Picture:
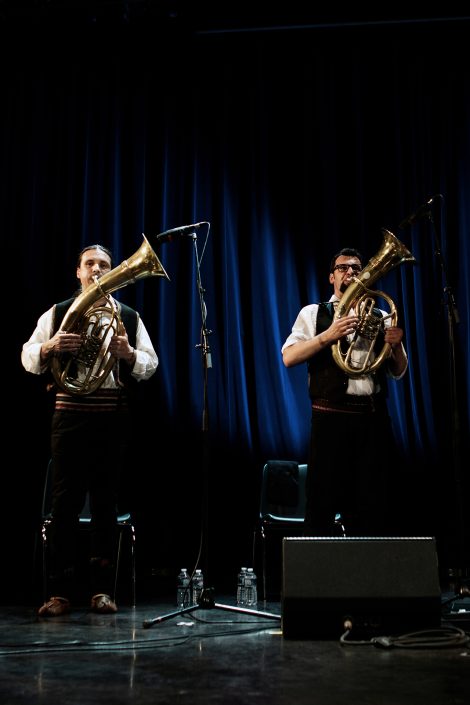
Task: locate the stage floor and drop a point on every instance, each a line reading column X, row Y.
column 215, row 655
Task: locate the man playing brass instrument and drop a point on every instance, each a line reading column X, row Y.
column 352, row 448
column 90, row 425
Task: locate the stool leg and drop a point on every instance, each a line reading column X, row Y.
column 263, row 551
column 133, row 576
column 44, row 560
column 118, row 560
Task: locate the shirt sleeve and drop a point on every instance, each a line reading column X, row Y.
column 146, row 361
column 31, row 352
column 387, row 367
column 304, row 327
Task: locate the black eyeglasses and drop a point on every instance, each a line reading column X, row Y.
column 344, row 268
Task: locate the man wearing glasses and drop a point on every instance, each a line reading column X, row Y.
column 352, row 454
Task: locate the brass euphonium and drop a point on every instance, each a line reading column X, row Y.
column 362, row 300
column 93, row 359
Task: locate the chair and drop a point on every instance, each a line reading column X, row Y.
column 282, row 513
column 124, row 524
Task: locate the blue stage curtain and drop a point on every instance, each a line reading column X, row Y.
column 291, row 144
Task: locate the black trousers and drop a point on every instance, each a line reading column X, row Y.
column 351, row 469
column 87, row 451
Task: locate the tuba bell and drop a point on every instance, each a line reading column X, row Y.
column 93, row 359
column 362, row 300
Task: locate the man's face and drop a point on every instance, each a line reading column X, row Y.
column 94, row 263
column 342, row 279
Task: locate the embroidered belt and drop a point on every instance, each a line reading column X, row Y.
column 102, row 400
column 353, row 405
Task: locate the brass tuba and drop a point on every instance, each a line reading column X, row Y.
column 86, row 319
column 361, row 299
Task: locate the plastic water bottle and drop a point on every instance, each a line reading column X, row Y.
column 241, row 599
column 251, row 588
column 197, row 587
column 183, row 589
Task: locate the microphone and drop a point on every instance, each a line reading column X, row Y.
column 176, row 233
column 420, row 212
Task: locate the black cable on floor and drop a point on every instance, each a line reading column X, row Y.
column 446, row 637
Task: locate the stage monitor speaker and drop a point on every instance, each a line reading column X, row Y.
column 383, row 586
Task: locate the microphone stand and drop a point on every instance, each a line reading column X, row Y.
column 206, row 600
column 452, row 320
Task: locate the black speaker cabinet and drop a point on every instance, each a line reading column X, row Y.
column 383, row 586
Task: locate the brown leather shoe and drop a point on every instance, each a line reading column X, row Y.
column 103, row 604
column 54, row 607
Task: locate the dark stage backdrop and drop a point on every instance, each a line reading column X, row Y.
column 291, row 143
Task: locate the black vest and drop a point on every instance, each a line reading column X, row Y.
column 325, row 379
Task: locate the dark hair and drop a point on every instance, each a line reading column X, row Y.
column 94, row 247
column 345, row 252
